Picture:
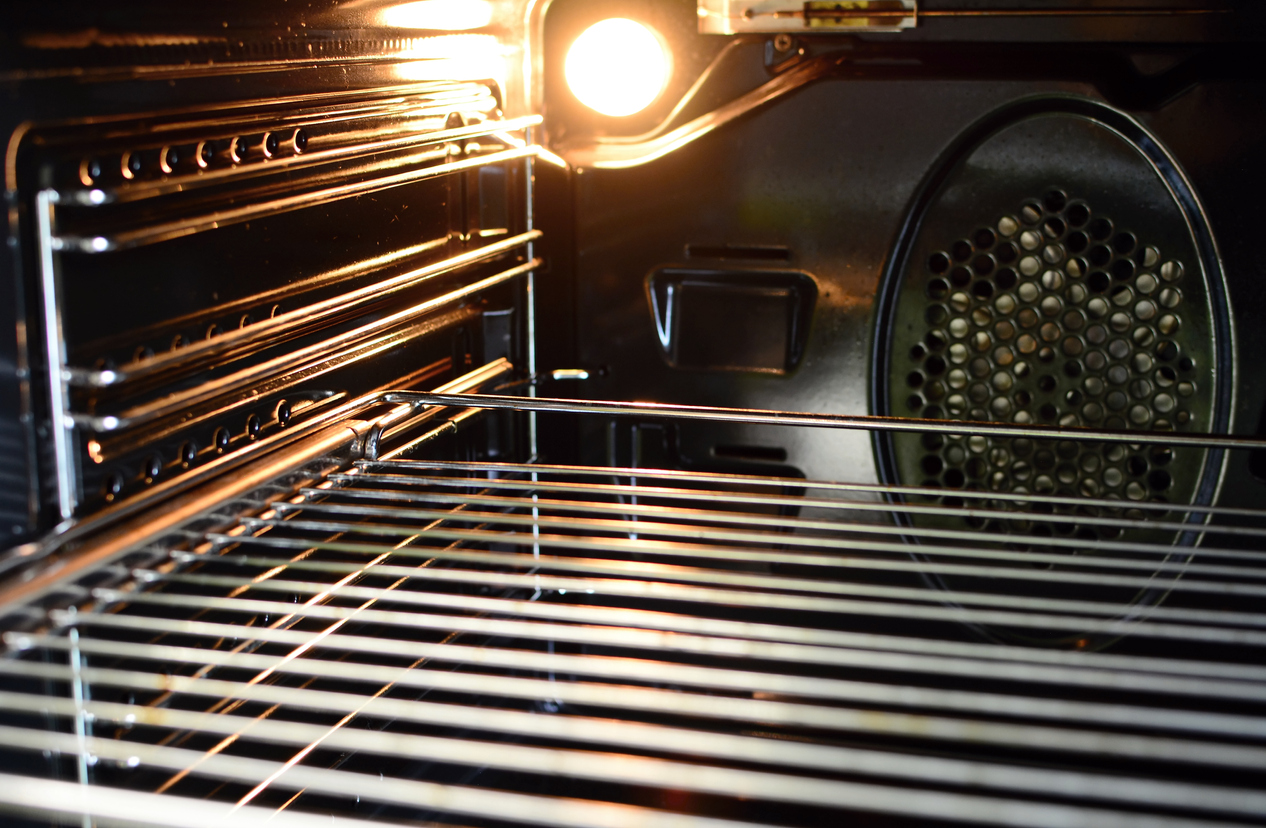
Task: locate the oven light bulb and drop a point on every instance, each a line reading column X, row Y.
column 617, row 67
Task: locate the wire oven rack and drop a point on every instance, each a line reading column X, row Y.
column 480, row 643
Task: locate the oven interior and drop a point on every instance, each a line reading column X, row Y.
column 865, row 429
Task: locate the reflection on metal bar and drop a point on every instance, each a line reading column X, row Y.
column 481, row 802
column 659, row 738
column 1075, row 617
column 180, row 404
column 223, row 218
column 716, row 629
column 728, row 497
column 134, row 191
column 878, row 489
column 849, row 421
column 49, row 799
column 783, row 711
column 935, row 660
column 270, row 331
column 324, row 435
column 672, row 550
column 327, row 515
column 55, row 357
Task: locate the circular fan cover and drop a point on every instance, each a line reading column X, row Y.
column 1053, row 279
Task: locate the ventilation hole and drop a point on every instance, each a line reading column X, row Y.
column 938, row 289
column 938, row 263
column 1167, row 351
column 934, row 366
column 1123, row 243
column 271, row 144
column 983, row 265
column 1185, row 364
column 1053, row 228
column 253, row 426
column 1099, row 255
column 914, row 402
column 935, row 341
column 914, row 379
column 169, row 159
column 961, row 250
column 1054, row 201
column 984, row 238
column 112, row 486
column 132, row 164
column 1122, row 270
column 283, row 413
column 932, row 464
column 1098, row 281
column 220, row 439
column 188, row 453
column 1006, row 253
column 936, row 315
column 954, row 478
column 1136, row 465
column 960, row 277
column 932, row 441
column 152, row 468
column 917, row 353
column 1031, row 213
column 1100, row 229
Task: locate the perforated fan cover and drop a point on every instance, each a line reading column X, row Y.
column 1053, row 279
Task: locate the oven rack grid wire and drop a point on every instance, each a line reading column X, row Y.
column 488, row 643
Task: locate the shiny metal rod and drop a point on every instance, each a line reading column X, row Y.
column 878, row 489
column 328, row 516
column 642, row 546
column 471, row 801
column 590, row 617
column 772, row 709
column 1105, row 624
column 800, row 418
column 935, row 660
column 587, row 731
column 659, row 493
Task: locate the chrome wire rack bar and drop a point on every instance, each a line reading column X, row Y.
column 478, row 643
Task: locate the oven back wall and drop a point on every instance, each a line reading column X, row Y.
column 820, row 183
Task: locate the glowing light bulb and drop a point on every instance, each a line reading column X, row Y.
column 617, row 67
column 448, row 15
